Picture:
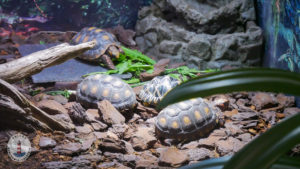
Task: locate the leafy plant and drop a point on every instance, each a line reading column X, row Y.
column 130, row 61
column 64, row 93
column 268, row 149
column 185, row 73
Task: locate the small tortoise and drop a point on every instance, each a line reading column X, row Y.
column 107, row 46
column 186, row 120
column 153, row 91
column 98, row 87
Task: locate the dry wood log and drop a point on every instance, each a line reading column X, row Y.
column 17, row 112
column 31, row 64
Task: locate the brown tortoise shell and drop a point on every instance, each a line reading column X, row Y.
column 98, row 87
column 104, row 41
column 187, row 120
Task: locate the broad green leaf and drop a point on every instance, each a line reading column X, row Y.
column 255, row 79
column 218, row 163
column 266, row 149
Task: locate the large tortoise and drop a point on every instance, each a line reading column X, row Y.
column 186, row 120
column 107, row 46
column 98, row 87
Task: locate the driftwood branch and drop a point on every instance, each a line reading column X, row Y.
column 31, row 64
column 19, row 113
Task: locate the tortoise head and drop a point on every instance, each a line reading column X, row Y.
column 114, row 52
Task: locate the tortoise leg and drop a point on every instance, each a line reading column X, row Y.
column 107, row 61
column 113, row 51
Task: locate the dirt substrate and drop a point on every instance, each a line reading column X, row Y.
column 103, row 139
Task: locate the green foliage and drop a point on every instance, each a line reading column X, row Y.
column 267, row 150
column 34, row 92
column 64, row 93
column 131, row 61
column 184, row 73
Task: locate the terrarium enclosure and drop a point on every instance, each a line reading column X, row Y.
column 149, row 83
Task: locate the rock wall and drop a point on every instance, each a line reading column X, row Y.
column 202, row 33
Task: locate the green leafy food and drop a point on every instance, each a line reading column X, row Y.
column 64, row 93
column 183, row 72
column 132, row 80
column 137, row 56
column 34, row 92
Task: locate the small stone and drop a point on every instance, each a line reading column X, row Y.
column 87, row 141
column 173, row 157
column 291, row 111
column 110, row 114
column 46, row 142
column 199, row 154
column 285, row 101
column 86, row 129
column 111, row 145
column 57, row 164
column 229, row 114
column 143, row 138
column 246, row 137
column 244, row 116
column 229, row 146
column 78, row 114
column 211, row 140
column 93, row 115
column 233, row 129
column 143, row 164
column 263, row 100
column 89, row 157
column 63, row 117
column 99, row 126
column 40, row 97
column 119, row 129
column 190, row 145
column 52, row 107
column 68, row 149
column 60, row 99
column 128, row 147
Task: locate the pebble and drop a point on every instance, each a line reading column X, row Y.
column 51, row 107
column 143, row 138
column 46, row 142
column 110, row 114
column 173, row 157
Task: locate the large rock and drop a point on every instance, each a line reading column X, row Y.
column 204, row 35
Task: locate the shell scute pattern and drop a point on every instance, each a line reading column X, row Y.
column 186, row 119
column 96, row 88
column 153, row 91
column 104, row 40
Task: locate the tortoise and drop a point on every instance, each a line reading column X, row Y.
column 98, row 87
column 187, row 120
column 107, row 46
column 153, row 91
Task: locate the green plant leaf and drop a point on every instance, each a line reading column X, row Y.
column 136, row 55
column 132, row 80
column 252, row 79
column 218, row 163
column 269, row 147
column 64, row 93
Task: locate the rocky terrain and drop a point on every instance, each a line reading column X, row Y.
column 106, row 138
column 203, row 34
